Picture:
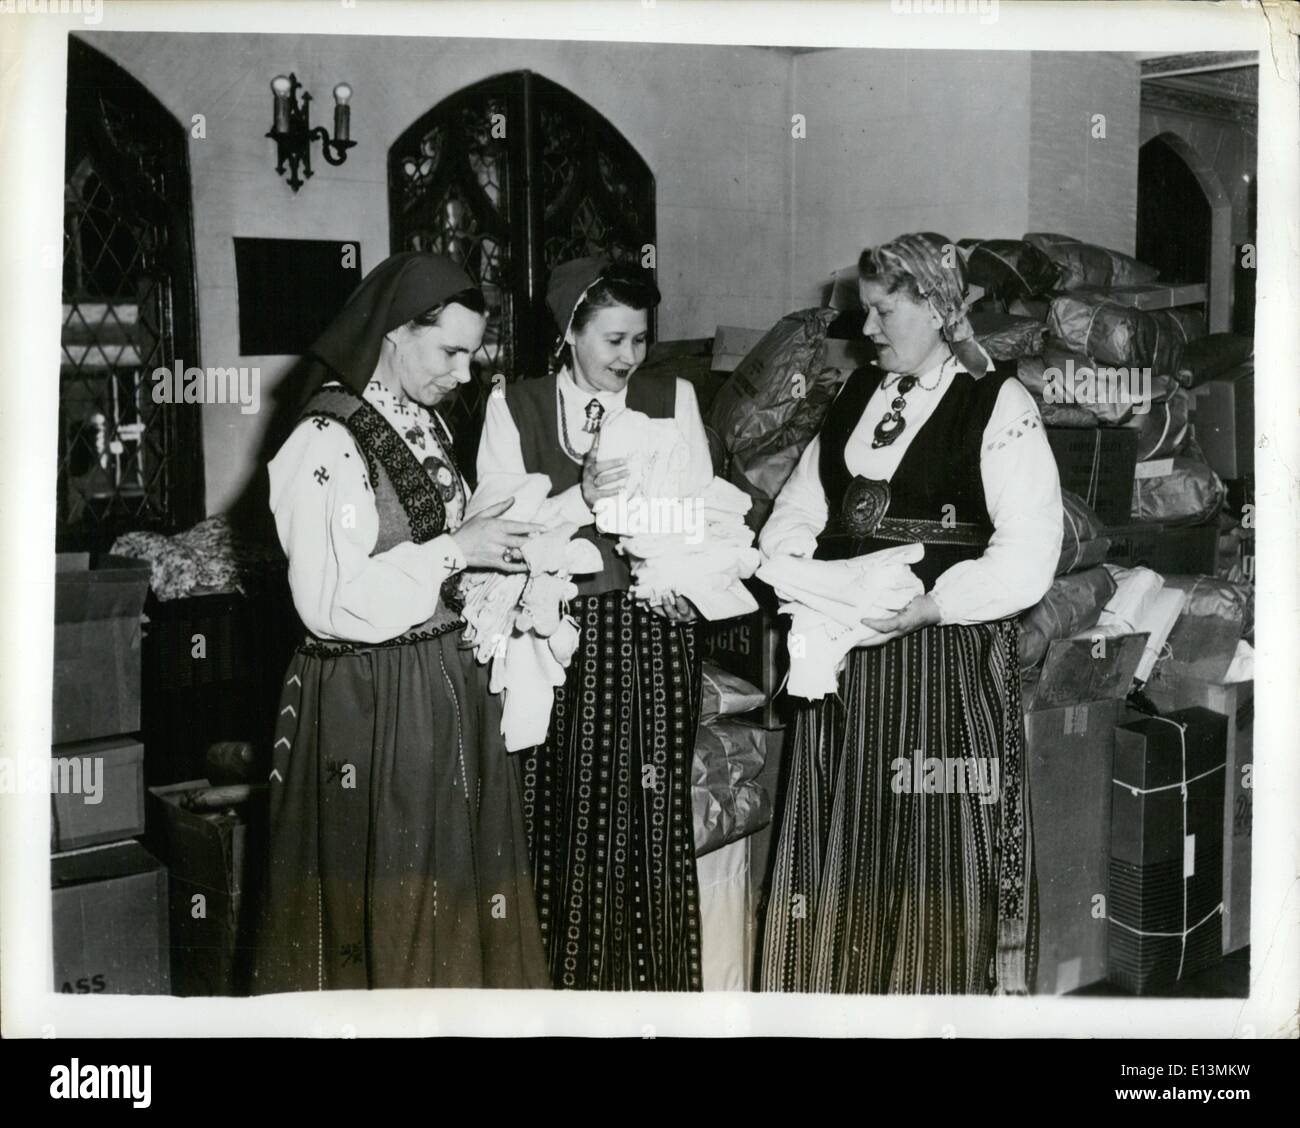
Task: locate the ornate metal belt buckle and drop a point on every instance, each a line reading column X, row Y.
column 865, row 504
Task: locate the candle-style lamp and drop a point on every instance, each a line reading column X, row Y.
column 292, row 132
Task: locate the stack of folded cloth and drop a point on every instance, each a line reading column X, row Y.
column 519, row 621
column 681, row 529
column 827, row 601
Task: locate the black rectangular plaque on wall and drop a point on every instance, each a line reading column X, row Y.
column 290, row 289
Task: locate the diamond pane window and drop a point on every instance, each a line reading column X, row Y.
column 510, row 177
column 124, row 461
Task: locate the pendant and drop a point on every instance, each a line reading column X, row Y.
column 888, row 429
column 595, row 411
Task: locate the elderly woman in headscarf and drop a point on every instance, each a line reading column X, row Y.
column 397, row 853
column 904, row 861
column 608, row 797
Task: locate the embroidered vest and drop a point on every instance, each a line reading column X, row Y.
column 409, row 505
column 936, row 495
column 532, row 405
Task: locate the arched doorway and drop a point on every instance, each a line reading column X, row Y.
column 509, row 177
column 1184, row 221
column 125, row 462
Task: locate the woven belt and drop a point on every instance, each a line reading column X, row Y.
column 908, row 531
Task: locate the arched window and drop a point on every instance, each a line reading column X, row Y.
column 128, row 308
column 509, row 177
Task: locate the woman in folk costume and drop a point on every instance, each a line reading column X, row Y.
column 397, row 850
column 881, row 885
column 607, row 798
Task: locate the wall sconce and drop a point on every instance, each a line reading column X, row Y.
column 292, row 132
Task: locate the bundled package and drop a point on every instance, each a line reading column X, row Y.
column 1075, row 390
column 1072, row 604
column 1082, row 544
column 1121, row 336
column 1005, row 336
column 1163, row 428
column 728, row 800
column 1165, row 892
column 1204, row 640
column 1009, row 269
column 1181, row 490
column 1086, row 264
column 773, row 404
column 726, row 694
column 1142, row 604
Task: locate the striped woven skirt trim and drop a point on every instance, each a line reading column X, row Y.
column 903, row 863
column 607, row 806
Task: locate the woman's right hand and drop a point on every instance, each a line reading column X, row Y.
column 487, row 541
column 601, row 478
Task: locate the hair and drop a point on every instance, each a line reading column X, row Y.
column 472, row 299
column 893, row 278
column 623, row 283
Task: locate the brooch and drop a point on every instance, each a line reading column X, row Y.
column 864, row 506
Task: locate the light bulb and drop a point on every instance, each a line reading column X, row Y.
column 280, row 84
column 342, row 92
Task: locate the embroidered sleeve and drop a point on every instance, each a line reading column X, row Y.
column 1023, row 494
column 328, row 525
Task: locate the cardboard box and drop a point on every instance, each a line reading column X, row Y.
column 1224, row 415
column 1069, row 753
column 1186, row 550
column 205, row 857
column 1166, row 849
column 1170, row 691
column 731, row 343
column 1152, row 296
column 1098, row 464
column 97, row 646
column 110, row 922
column 96, row 792
column 1081, row 670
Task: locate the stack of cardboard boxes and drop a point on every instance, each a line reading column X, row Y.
column 109, row 893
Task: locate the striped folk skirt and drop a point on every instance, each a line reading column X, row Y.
column 396, row 854
column 904, row 860
column 607, row 804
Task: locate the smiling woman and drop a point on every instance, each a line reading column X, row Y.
column 607, row 798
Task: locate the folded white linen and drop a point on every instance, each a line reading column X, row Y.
column 827, row 601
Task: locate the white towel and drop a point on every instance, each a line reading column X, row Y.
column 827, row 601
column 519, row 622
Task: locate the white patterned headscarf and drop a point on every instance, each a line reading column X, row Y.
column 937, row 266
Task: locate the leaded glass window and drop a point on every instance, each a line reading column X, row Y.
column 124, row 461
column 510, row 177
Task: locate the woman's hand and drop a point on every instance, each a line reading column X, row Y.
column 921, row 612
column 486, row 541
column 601, row 479
column 675, row 608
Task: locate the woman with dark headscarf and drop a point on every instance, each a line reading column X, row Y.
column 607, row 798
column 903, row 862
column 397, row 851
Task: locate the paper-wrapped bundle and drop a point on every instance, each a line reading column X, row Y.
column 1119, row 335
column 1072, row 604
column 773, row 404
column 1008, row 269
column 1181, row 490
column 727, row 799
column 1086, row 264
column 1082, row 544
column 1005, row 336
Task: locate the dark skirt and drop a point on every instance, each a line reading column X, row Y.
column 903, row 865
column 607, row 803
column 397, row 855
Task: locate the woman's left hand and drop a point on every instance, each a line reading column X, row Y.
column 675, row 608
column 921, row 612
